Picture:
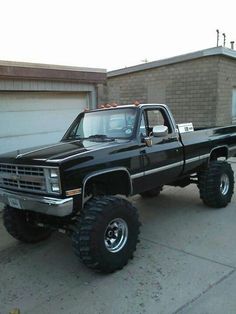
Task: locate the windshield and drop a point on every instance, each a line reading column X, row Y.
column 118, row 123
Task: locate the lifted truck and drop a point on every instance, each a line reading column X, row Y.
column 73, row 186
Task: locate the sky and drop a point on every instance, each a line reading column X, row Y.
column 110, row 34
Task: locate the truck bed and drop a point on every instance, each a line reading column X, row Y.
column 200, row 144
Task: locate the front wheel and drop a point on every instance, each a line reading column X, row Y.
column 216, row 184
column 107, row 234
column 21, row 226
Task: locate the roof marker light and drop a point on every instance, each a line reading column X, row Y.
column 136, row 103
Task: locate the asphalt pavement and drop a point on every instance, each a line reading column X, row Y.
column 185, row 263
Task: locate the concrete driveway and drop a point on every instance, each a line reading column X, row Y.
column 185, row 263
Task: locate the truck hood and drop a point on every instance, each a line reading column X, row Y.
column 56, row 152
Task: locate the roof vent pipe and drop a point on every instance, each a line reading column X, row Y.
column 232, row 45
column 224, row 38
column 217, row 38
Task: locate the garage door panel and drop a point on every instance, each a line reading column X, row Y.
column 20, row 142
column 35, row 118
column 42, row 102
column 34, row 122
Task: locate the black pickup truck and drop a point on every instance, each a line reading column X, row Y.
column 79, row 185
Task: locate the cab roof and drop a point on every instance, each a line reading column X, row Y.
column 115, row 106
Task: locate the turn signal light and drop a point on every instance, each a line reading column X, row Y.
column 73, row 192
column 136, row 103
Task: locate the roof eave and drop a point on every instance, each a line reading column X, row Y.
column 18, row 70
column 181, row 58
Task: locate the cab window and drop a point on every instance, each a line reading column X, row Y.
column 151, row 118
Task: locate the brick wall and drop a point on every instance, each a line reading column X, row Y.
column 226, row 83
column 190, row 88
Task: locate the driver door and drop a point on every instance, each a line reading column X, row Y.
column 163, row 159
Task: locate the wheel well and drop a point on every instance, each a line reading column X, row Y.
column 219, row 152
column 109, row 183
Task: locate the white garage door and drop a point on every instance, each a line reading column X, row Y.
column 33, row 118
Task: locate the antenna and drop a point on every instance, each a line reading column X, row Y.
column 217, row 38
column 224, row 38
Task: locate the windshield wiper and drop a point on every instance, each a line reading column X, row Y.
column 101, row 137
column 74, row 137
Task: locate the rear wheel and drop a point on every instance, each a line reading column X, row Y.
column 107, row 234
column 21, row 226
column 216, row 184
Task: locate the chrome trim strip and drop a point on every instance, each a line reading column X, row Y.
column 204, row 156
column 39, row 149
column 78, row 154
column 188, row 161
column 137, row 175
column 176, row 164
column 198, row 158
column 180, row 163
column 159, row 169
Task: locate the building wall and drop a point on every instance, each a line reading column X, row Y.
column 226, row 84
column 190, row 89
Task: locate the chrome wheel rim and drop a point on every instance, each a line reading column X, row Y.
column 116, row 235
column 224, row 184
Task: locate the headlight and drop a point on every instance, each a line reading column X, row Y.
column 54, row 173
column 55, row 187
column 53, row 180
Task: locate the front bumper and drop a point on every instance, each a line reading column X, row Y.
column 45, row 205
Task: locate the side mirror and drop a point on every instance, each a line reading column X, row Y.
column 160, row 131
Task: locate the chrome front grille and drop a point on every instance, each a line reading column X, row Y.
column 9, row 182
column 31, row 171
column 24, row 178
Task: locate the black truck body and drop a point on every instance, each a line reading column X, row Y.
column 57, row 180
